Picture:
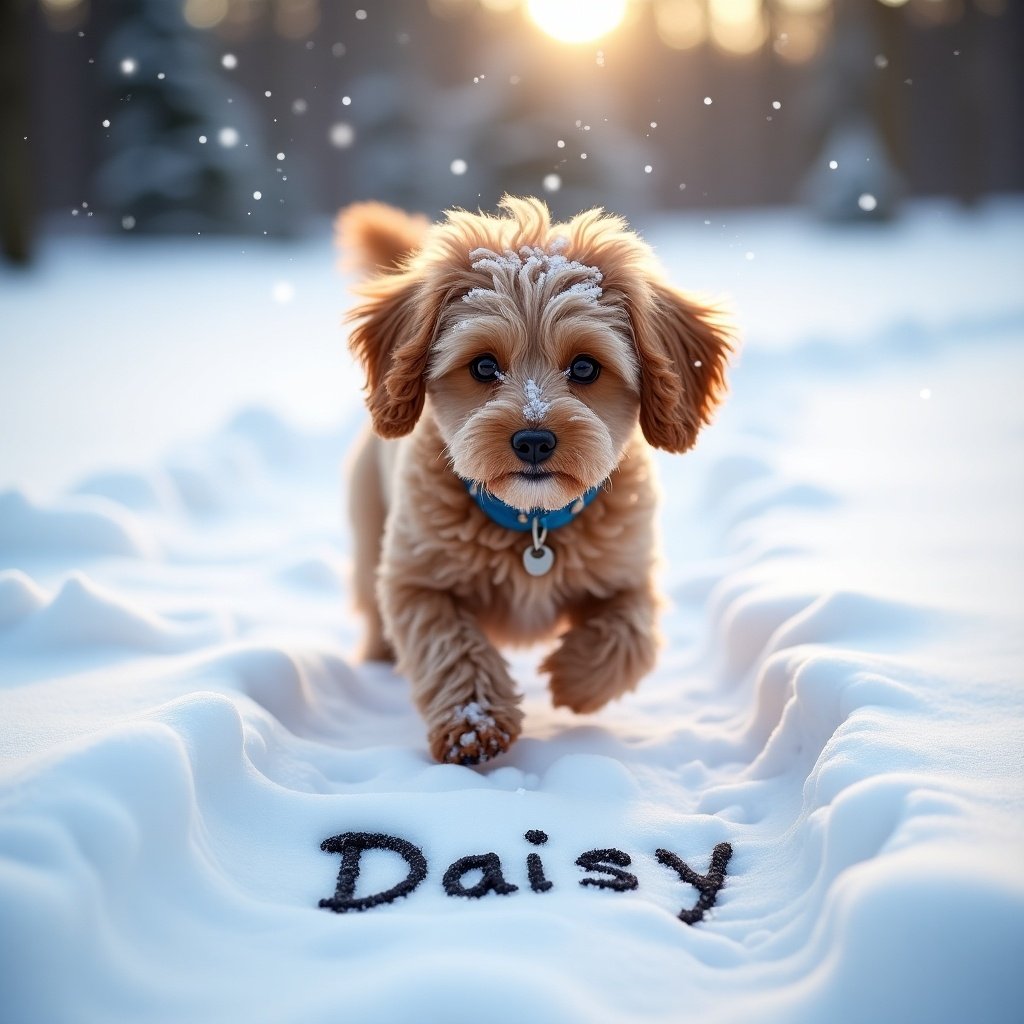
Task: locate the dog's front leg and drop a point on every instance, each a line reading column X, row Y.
column 610, row 647
column 460, row 683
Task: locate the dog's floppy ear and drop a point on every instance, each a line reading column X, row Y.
column 392, row 336
column 682, row 346
column 375, row 237
column 395, row 325
column 683, row 349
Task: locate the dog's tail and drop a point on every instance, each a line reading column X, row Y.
column 375, row 237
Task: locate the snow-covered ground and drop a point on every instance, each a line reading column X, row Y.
column 840, row 695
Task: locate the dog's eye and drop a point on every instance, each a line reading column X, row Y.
column 583, row 370
column 485, row 369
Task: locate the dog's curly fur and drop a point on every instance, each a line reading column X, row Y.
column 438, row 582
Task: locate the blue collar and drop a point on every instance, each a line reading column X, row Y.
column 513, row 518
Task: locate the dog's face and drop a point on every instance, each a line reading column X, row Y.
column 540, row 347
column 534, row 384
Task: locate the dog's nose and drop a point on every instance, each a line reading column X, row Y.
column 534, row 446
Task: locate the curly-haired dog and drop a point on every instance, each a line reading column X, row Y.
column 527, row 367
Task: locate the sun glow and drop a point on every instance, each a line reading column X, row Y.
column 577, row 21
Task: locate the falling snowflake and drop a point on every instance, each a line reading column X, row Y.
column 228, row 137
column 342, row 135
column 459, row 166
column 867, row 202
column 129, row 66
column 230, row 61
column 552, row 182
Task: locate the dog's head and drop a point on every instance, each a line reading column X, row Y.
column 538, row 346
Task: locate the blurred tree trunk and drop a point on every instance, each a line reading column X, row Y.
column 853, row 176
column 889, row 102
column 15, row 173
column 971, row 112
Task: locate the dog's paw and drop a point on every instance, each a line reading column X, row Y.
column 579, row 692
column 587, row 672
column 474, row 733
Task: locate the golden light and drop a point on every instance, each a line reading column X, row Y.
column 812, row 6
column 449, row 8
column 296, row 19
column 577, row 21
column 681, row 23
column 938, row 12
column 798, row 39
column 738, row 26
column 64, row 14
column 205, row 13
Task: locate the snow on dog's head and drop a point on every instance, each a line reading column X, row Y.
column 558, row 338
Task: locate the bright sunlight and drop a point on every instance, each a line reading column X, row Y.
column 577, row 21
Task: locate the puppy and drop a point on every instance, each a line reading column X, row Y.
column 518, row 372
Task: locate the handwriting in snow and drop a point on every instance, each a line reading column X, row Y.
column 605, row 869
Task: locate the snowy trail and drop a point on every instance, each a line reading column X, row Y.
column 840, row 698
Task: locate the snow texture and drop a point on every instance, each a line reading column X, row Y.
column 839, row 698
column 536, row 408
column 535, row 268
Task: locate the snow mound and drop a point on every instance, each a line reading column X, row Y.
column 20, row 596
column 319, row 571
column 84, row 614
column 81, row 526
column 140, row 492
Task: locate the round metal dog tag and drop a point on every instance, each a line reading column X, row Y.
column 537, row 561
